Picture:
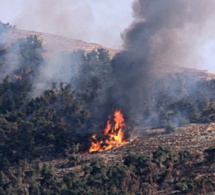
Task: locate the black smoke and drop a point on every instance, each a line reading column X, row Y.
column 163, row 32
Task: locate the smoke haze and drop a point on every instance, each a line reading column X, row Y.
column 87, row 20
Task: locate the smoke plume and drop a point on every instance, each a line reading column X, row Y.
column 172, row 32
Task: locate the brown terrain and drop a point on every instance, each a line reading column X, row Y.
column 193, row 137
column 58, row 43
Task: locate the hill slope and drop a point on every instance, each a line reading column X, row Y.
column 45, row 139
column 56, row 42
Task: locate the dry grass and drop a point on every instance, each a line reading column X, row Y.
column 54, row 43
column 193, row 137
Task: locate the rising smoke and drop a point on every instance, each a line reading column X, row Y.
column 169, row 32
column 172, row 31
column 60, row 67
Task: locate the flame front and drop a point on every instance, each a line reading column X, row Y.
column 113, row 134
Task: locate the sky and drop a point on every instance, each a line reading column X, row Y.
column 97, row 21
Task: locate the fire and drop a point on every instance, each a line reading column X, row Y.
column 113, row 133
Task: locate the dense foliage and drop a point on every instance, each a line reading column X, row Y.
column 62, row 116
column 164, row 171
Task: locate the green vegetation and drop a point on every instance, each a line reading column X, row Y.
column 59, row 124
column 136, row 174
column 61, row 117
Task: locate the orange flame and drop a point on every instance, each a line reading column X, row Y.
column 115, row 136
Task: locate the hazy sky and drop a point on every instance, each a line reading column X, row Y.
column 99, row 21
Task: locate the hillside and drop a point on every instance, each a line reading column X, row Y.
column 170, row 171
column 54, row 108
column 58, row 43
